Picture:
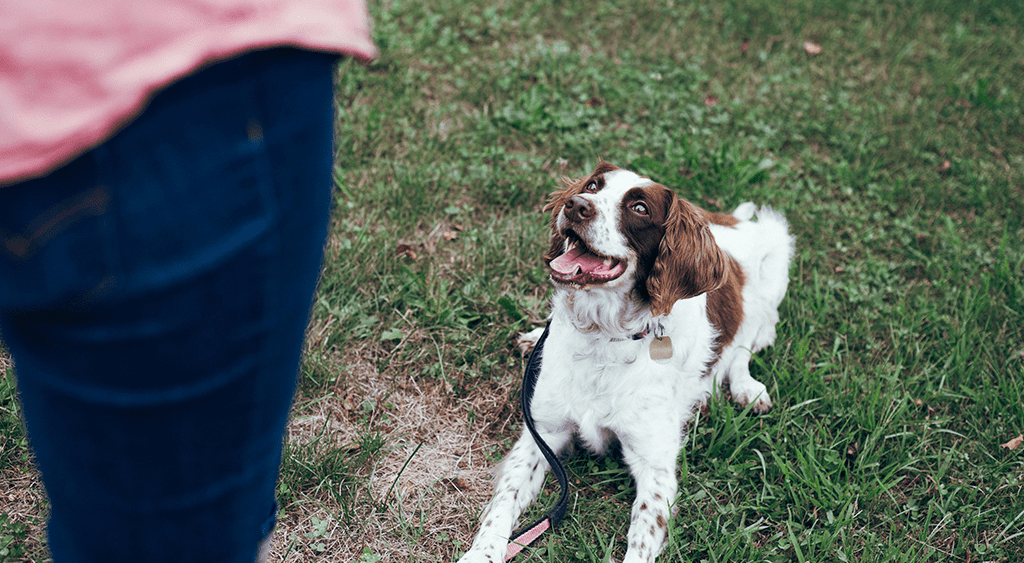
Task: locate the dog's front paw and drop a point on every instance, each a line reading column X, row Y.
column 754, row 393
column 488, row 554
column 488, row 548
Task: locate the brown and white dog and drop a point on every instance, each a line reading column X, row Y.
column 656, row 301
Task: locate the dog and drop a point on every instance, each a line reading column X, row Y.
column 656, row 302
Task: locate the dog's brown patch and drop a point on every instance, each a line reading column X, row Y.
column 725, row 305
column 723, row 219
column 645, row 233
column 689, row 261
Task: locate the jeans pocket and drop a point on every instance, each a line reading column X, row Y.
column 54, row 237
column 191, row 194
column 176, row 192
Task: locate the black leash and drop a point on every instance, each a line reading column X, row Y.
column 554, row 517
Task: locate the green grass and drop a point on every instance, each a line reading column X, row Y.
column 897, row 154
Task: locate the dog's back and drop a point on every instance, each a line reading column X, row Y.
column 761, row 243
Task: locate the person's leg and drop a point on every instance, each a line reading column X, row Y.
column 154, row 294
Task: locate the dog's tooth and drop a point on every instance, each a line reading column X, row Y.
column 608, row 262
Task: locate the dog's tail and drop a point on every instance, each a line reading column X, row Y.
column 779, row 246
column 745, row 211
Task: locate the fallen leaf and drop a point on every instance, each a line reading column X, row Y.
column 594, row 103
column 405, row 250
column 944, row 168
column 812, row 48
column 459, row 483
column 839, row 269
column 710, row 101
column 744, row 46
column 1014, row 443
column 449, row 235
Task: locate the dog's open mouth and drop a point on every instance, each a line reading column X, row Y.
column 581, row 266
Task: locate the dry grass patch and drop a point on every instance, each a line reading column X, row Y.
column 420, row 493
column 24, row 502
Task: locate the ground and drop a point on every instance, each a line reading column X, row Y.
column 890, row 134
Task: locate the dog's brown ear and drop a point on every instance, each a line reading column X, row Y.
column 689, row 260
column 556, row 200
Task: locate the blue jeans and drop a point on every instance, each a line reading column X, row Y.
column 154, row 294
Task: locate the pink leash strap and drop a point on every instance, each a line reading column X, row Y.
column 526, row 538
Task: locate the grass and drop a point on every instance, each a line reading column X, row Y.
column 897, row 153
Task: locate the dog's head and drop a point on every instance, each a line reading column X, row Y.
column 615, row 228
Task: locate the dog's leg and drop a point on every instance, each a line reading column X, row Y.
column 520, row 479
column 743, row 387
column 653, row 464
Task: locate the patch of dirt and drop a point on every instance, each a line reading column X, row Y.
column 24, row 501
column 428, row 483
column 22, row 496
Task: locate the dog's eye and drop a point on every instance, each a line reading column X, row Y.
column 591, row 188
column 639, row 207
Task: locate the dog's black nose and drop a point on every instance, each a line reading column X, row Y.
column 579, row 209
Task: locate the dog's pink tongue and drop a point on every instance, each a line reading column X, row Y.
column 576, row 260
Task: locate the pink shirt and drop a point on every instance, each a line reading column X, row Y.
column 73, row 71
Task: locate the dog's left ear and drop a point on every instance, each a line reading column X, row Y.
column 689, row 260
column 556, row 200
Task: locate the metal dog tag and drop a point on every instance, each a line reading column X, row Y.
column 661, row 348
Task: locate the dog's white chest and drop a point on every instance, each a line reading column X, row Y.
column 601, row 398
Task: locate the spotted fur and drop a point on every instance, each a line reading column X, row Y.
column 711, row 282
